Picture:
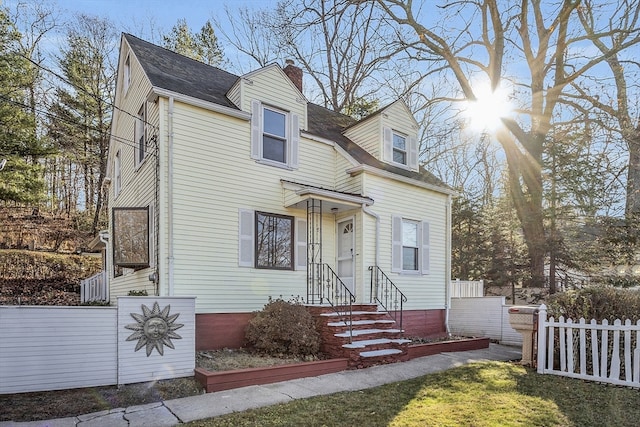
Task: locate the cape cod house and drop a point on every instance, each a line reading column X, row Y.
column 235, row 189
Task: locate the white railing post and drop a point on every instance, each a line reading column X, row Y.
column 542, row 337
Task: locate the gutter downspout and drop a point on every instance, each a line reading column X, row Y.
column 103, row 235
column 447, row 288
column 170, row 198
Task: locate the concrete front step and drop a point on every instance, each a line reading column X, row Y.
column 361, row 322
column 359, row 332
column 355, row 313
column 376, row 342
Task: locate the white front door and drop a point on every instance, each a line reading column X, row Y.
column 346, row 253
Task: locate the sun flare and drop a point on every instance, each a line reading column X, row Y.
column 485, row 114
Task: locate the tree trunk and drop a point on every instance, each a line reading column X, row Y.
column 632, row 207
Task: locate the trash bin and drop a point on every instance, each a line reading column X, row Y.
column 524, row 319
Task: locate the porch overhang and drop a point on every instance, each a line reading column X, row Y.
column 296, row 195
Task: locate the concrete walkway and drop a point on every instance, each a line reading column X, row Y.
column 173, row 412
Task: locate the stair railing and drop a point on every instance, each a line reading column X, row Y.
column 385, row 293
column 326, row 287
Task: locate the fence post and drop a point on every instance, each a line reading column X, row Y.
column 542, row 337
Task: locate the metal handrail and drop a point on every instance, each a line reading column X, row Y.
column 387, row 294
column 325, row 286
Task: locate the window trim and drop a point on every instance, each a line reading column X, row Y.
column 292, row 242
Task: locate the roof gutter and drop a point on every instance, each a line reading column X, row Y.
column 211, row 106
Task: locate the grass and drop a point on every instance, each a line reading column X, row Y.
column 481, row 394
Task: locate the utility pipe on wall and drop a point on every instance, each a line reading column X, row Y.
column 170, row 198
column 447, row 277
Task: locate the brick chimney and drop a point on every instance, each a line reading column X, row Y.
column 294, row 73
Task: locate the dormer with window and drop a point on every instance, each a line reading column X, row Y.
column 278, row 114
column 390, row 135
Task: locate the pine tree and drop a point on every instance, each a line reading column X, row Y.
column 21, row 179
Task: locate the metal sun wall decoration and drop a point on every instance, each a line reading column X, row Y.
column 154, row 329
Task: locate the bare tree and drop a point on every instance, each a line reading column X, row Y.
column 623, row 28
column 540, row 37
column 343, row 46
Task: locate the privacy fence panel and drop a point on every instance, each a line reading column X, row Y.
column 54, row 348
column 593, row 351
column 483, row 317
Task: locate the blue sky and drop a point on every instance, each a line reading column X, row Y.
column 144, row 17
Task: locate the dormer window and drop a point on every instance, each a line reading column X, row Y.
column 275, row 136
column 399, row 148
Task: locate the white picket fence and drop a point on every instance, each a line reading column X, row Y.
column 94, row 288
column 589, row 351
column 467, row 288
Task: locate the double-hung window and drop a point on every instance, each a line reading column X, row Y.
column 410, row 246
column 275, row 136
column 140, row 135
column 400, row 149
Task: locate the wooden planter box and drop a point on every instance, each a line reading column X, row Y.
column 419, row 350
column 225, row 380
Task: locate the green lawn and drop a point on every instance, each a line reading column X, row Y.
column 481, row 394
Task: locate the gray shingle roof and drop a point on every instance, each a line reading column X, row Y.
column 177, row 73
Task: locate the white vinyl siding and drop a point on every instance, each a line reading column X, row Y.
column 137, row 180
column 395, row 200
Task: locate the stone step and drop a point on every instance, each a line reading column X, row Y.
column 355, row 313
column 358, row 332
column 361, row 322
column 379, row 341
column 379, row 353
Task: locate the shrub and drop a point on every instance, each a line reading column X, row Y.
column 283, row 328
column 137, row 293
column 596, row 303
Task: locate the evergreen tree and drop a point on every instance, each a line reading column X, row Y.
column 21, row 179
column 202, row 46
column 83, row 114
